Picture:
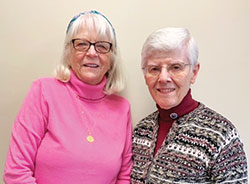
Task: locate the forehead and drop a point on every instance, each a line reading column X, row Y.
column 163, row 57
column 90, row 33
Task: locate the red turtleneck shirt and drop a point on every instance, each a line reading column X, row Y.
column 167, row 117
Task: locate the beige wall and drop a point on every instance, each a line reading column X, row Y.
column 32, row 34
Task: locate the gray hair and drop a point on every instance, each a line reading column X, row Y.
column 170, row 39
column 92, row 20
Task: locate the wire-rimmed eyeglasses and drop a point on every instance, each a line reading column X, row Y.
column 174, row 69
column 81, row 45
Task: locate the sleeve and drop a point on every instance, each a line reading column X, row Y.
column 124, row 174
column 27, row 133
column 231, row 164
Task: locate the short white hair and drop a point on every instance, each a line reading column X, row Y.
column 170, row 39
column 92, row 20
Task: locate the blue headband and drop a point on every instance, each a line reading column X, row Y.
column 86, row 12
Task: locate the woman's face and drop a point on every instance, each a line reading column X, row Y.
column 89, row 66
column 169, row 77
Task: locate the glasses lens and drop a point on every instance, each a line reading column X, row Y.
column 103, row 47
column 154, row 70
column 81, row 45
column 175, row 69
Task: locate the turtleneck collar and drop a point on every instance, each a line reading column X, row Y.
column 87, row 91
column 187, row 105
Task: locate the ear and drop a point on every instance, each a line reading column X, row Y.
column 195, row 72
column 69, row 59
column 145, row 79
column 69, row 54
column 68, row 62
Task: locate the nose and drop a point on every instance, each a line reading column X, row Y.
column 164, row 76
column 91, row 51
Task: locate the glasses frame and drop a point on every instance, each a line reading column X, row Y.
column 145, row 69
column 90, row 43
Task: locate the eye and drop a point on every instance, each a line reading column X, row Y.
column 154, row 69
column 102, row 46
column 176, row 67
column 82, row 44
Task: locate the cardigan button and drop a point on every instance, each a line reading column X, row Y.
column 173, row 115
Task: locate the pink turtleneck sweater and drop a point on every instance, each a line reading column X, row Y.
column 48, row 143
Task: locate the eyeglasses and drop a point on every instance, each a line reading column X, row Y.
column 173, row 69
column 102, row 47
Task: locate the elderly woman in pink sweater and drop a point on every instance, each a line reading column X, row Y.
column 74, row 129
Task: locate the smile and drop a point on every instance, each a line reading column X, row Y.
column 168, row 90
column 91, row 65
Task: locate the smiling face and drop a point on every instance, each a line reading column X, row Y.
column 90, row 66
column 168, row 90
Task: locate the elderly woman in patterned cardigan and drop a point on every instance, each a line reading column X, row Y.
column 183, row 141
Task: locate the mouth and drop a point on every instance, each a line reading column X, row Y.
column 165, row 90
column 91, row 65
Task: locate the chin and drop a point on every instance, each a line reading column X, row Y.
column 167, row 105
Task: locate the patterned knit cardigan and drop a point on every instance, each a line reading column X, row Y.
column 201, row 147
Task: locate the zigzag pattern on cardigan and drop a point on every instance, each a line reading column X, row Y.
column 201, row 147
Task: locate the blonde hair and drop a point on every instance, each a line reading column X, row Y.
column 93, row 20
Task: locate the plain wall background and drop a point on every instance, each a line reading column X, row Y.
column 32, row 34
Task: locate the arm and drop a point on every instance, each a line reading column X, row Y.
column 27, row 133
column 124, row 174
column 231, row 164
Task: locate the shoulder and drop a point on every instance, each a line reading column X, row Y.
column 118, row 100
column 211, row 116
column 47, row 83
column 209, row 119
column 47, row 86
column 148, row 122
